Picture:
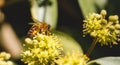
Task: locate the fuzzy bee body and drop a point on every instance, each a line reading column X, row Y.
column 40, row 27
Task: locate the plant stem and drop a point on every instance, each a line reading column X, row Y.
column 91, row 47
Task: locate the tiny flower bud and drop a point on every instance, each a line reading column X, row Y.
column 112, row 27
column 117, row 26
column 10, row 63
column 97, row 16
column 7, row 56
column 104, row 21
column 93, row 34
column 115, row 42
column 113, row 18
column 28, row 41
column 117, row 22
column 103, row 12
column 117, row 32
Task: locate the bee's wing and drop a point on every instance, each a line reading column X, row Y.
column 35, row 20
column 32, row 23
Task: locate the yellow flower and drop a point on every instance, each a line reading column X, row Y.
column 105, row 31
column 4, row 59
column 41, row 50
column 72, row 59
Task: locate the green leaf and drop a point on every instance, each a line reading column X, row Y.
column 51, row 12
column 87, row 6
column 105, row 61
column 101, row 3
column 70, row 45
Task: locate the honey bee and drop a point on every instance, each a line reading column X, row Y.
column 39, row 27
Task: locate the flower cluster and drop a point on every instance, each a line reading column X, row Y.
column 73, row 59
column 105, row 31
column 4, row 59
column 41, row 50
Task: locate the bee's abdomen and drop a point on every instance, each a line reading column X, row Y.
column 33, row 31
